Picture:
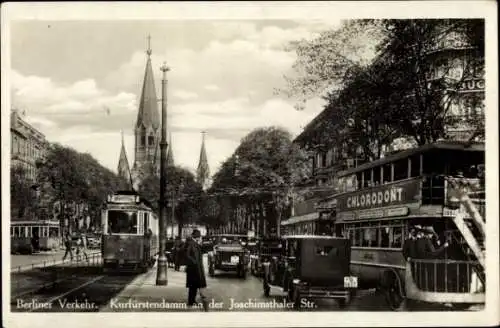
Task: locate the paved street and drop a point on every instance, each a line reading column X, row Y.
column 84, row 287
column 38, row 259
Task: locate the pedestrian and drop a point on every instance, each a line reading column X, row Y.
column 177, row 253
column 67, row 245
column 195, row 272
column 83, row 245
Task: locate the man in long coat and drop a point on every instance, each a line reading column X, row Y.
column 195, row 272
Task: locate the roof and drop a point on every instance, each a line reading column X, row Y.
column 310, row 237
column 442, row 145
column 148, row 115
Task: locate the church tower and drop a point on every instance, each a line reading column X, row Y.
column 123, row 166
column 147, row 127
column 203, row 171
column 170, row 154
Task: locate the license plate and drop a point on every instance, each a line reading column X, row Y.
column 350, row 282
column 235, row 259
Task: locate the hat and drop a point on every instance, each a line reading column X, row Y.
column 196, row 233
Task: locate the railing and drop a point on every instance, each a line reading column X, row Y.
column 446, row 276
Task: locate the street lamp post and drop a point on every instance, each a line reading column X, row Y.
column 161, row 276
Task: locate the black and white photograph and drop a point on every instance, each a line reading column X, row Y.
column 318, row 160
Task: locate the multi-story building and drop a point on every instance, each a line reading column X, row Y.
column 27, row 145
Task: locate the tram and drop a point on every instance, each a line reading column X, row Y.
column 130, row 233
column 27, row 237
column 438, row 188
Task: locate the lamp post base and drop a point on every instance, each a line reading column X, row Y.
column 161, row 275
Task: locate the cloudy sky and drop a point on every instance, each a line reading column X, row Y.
column 66, row 73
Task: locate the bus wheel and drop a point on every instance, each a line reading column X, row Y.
column 393, row 291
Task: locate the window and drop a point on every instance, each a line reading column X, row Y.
column 396, row 240
column 146, row 222
column 12, row 231
column 387, row 173
column 151, row 140
column 143, row 141
column 122, row 222
column 385, row 233
column 401, row 169
column 415, row 166
column 370, row 237
column 35, row 231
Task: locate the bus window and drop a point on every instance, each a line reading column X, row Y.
column 370, row 237
column 357, row 237
column 387, row 173
column 401, row 169
column 384, row 236
column 397, row 237
column 415, row 166
column 376, row 176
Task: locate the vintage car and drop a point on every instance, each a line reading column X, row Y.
column 229, row 254
column 266, row 249
column 311, row 267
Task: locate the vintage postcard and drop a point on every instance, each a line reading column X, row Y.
column 250, row 164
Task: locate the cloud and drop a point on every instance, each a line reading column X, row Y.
column 212, row 87
column 185, row 95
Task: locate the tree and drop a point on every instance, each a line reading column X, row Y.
column 21, row 193
column 424, row 84
column 323, row 62
column 73, row 178
column 182, row 191
column 265, row 163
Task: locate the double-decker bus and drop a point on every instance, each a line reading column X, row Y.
column 436, row 188
column 130, row 232
column 34, row 235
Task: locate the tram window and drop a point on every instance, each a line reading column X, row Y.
column 384, row 236
column 146, row 222
column 53, row 232
column 397, row 237
column 35, row 231
column 122, row 222
column 12, row 231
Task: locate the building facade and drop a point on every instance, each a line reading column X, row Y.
column 28, row 145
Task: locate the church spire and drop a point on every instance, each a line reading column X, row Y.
column 203, row 171
column 123, row 166
column 148, row 115
column 170, row 154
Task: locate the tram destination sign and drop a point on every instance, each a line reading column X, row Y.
column 380, row 196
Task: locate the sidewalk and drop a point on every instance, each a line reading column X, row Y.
column 142, row 294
